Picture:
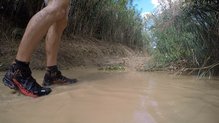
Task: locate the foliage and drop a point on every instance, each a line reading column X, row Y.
column 109, row 20
column 19, row 11
column 112, row 20
column 187, row 31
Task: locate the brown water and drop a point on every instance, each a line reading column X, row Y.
column 117, row 97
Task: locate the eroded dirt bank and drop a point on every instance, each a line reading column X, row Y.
column 75, row 52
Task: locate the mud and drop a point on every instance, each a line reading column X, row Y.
column 116, row 97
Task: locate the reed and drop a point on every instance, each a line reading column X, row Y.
column 187, row 31
column 108, row 20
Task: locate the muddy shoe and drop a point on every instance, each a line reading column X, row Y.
column 56, row 77
column 20, row 79
column 8, row 78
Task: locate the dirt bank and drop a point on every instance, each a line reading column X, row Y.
column 75, row 52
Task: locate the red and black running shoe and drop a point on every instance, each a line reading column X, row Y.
column 56, row 77
column 20, row 79
column 7, row 80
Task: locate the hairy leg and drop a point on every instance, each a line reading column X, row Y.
column 38, row 27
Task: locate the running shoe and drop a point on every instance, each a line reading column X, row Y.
column 56, row 77
column 21, row 79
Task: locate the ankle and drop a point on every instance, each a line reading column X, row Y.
column 21, row 64
column 22, row 67
column 53, row 68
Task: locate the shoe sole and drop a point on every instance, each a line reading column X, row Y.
column 14, row 84
column 58, row 83
column 23, row 90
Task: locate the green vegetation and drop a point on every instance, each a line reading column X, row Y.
column 185, row 36
column 113, row 67
column 109, row 20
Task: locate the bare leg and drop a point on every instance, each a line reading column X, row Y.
column 53, row 40
column 39, row 25
column 19, row 76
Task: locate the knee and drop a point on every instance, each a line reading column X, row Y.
column 58, row 11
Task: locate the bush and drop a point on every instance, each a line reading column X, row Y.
column 188, row 31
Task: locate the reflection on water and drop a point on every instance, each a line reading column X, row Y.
column 117, row 97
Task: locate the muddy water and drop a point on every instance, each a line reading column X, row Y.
column 117, row 97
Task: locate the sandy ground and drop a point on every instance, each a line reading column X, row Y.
column 116, row 97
